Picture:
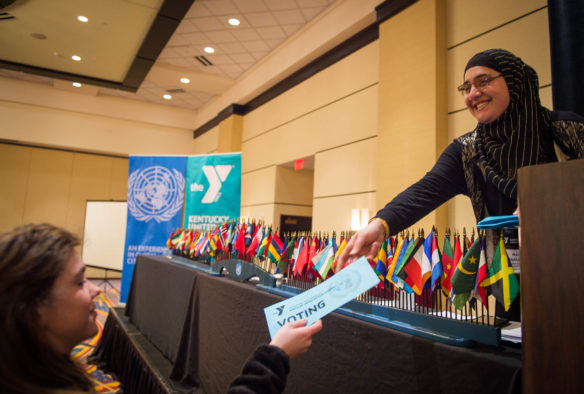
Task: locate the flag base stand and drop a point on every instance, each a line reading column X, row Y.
column 243, row 271
column 200, row 265
column 236, row 269
column 436, row 328
column 447, row 330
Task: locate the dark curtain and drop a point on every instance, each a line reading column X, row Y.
column 566, row 24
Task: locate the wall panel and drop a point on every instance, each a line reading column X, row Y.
column 48, row 185
column 119, row 179
column 262, row 212
column 258, row 187
column 350, row 119
column 74, row 130
column 346, row 169
column 469, row 18
column 48, row 188
column 207, row 142
column 90, row 180
column 15, row 164
column 342, row 79
column 412, row 116
column 294, row 187
column 334, row 213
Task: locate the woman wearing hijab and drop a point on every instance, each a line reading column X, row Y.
column 502, row 93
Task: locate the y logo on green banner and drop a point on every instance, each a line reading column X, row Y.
column 213, row 190
column 216, row 175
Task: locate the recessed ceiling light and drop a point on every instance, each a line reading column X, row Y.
column 209, row 49
column 76, row 58
column 167, row 97
column 82, row 18
column 234, row 21
column 185, row 80
column 77, row 84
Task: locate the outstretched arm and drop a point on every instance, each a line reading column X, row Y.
column 442, row 182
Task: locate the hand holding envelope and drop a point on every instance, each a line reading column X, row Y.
column 323, row 299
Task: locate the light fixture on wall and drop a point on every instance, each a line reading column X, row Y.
column 359, row 218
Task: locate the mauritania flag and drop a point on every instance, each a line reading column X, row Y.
column 465, row 275
column 502, row 279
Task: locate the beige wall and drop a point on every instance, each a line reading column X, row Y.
column 344, row 180
column 48, row 185
column 373, row 121
column 229, row 138
column 412, row 114
column 293, row 194
column 207, row 143
column 332, row 112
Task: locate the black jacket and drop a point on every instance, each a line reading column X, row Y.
column 264, row 372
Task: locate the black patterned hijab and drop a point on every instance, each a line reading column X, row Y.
column 522, row 135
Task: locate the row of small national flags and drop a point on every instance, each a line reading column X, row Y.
column 313, row 255
column 461, row 272
column 408, row 263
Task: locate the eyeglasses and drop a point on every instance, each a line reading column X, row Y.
column 480, row 82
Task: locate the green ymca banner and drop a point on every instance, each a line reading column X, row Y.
column 213, row 190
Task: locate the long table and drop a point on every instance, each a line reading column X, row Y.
column 207, row 326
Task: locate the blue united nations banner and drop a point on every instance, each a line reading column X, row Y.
column 213, row 192
column 156, row 186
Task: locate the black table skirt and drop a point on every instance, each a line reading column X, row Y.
column 136, row 363
column 207, row 327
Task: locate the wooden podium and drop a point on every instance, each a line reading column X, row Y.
column 551, row 201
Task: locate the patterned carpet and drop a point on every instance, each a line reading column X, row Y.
column 104, row 383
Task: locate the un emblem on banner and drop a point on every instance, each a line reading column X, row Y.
column 155, row 193
column 351, row 282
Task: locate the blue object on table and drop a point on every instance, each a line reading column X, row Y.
column 493, row 222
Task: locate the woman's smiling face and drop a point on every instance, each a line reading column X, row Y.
column 68, row 315
column 489, row 102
